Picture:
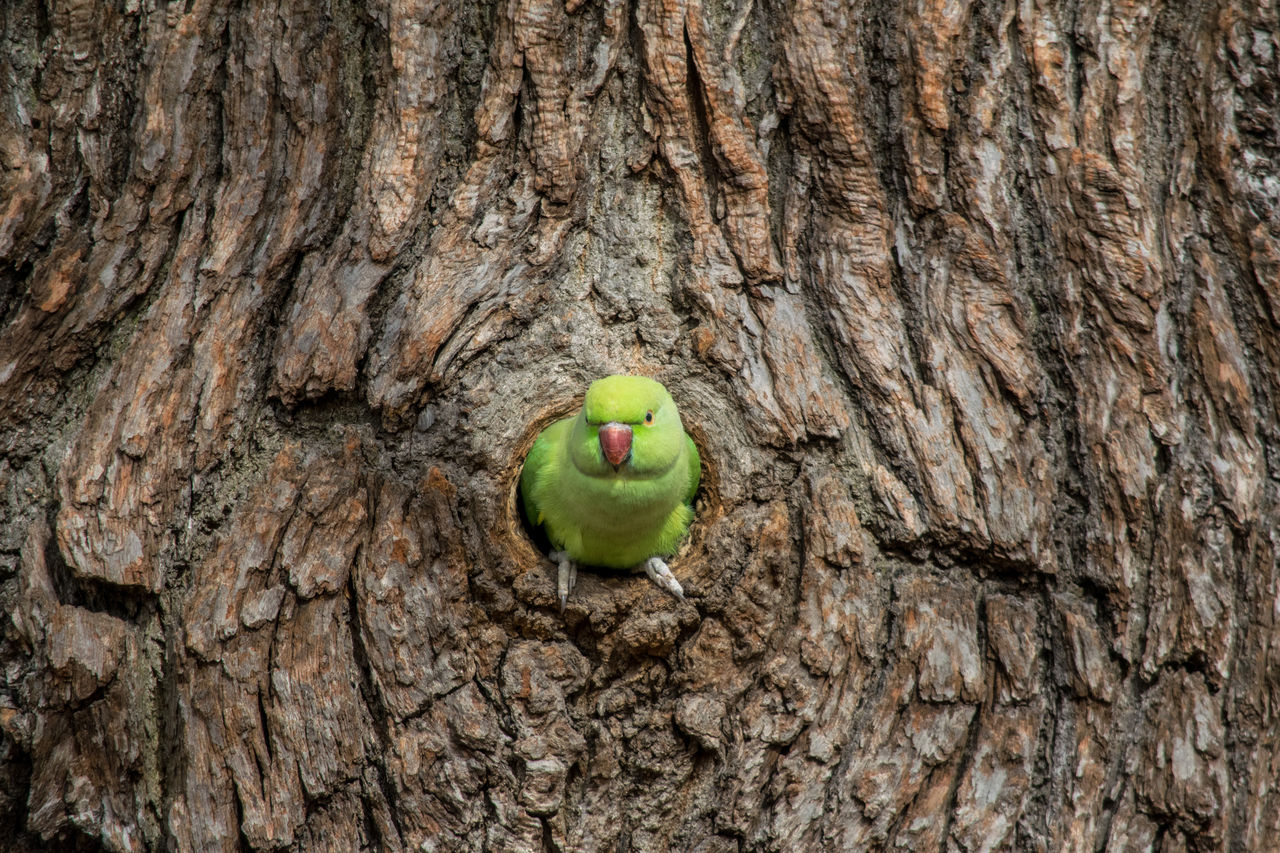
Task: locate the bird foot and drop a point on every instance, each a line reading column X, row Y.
column 658, row 572
column 567, row 578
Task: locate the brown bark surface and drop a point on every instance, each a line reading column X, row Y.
column 973, row 309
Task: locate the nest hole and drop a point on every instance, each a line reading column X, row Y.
column 530, row 547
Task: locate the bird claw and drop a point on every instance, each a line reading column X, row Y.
column 655, row 567
column 657, row 570
column 567, row 577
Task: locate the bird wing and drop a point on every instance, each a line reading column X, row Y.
column 539, row 469
column 695, row 470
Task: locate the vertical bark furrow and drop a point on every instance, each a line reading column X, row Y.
column 269, row 664
column 758, row 337
column 848, row 234
column 507, row 220
column 181, row 391
column 112, row 251
column 975, row 345
column 743, row 185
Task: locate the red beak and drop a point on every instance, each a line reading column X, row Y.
column 615, row 442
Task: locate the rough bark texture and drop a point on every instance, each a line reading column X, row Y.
column 973, row 308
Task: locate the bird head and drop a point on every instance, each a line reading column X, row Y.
column 629, row 424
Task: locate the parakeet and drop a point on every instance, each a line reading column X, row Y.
column 613, row 485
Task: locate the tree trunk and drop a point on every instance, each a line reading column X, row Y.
column 973, row 310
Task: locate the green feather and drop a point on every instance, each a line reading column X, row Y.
column 695, row 470
column 606, row 517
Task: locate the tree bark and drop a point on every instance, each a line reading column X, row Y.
column 973, row 310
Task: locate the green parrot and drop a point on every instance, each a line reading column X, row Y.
column 613, row 485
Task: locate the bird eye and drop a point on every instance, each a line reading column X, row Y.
column 648, row 416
